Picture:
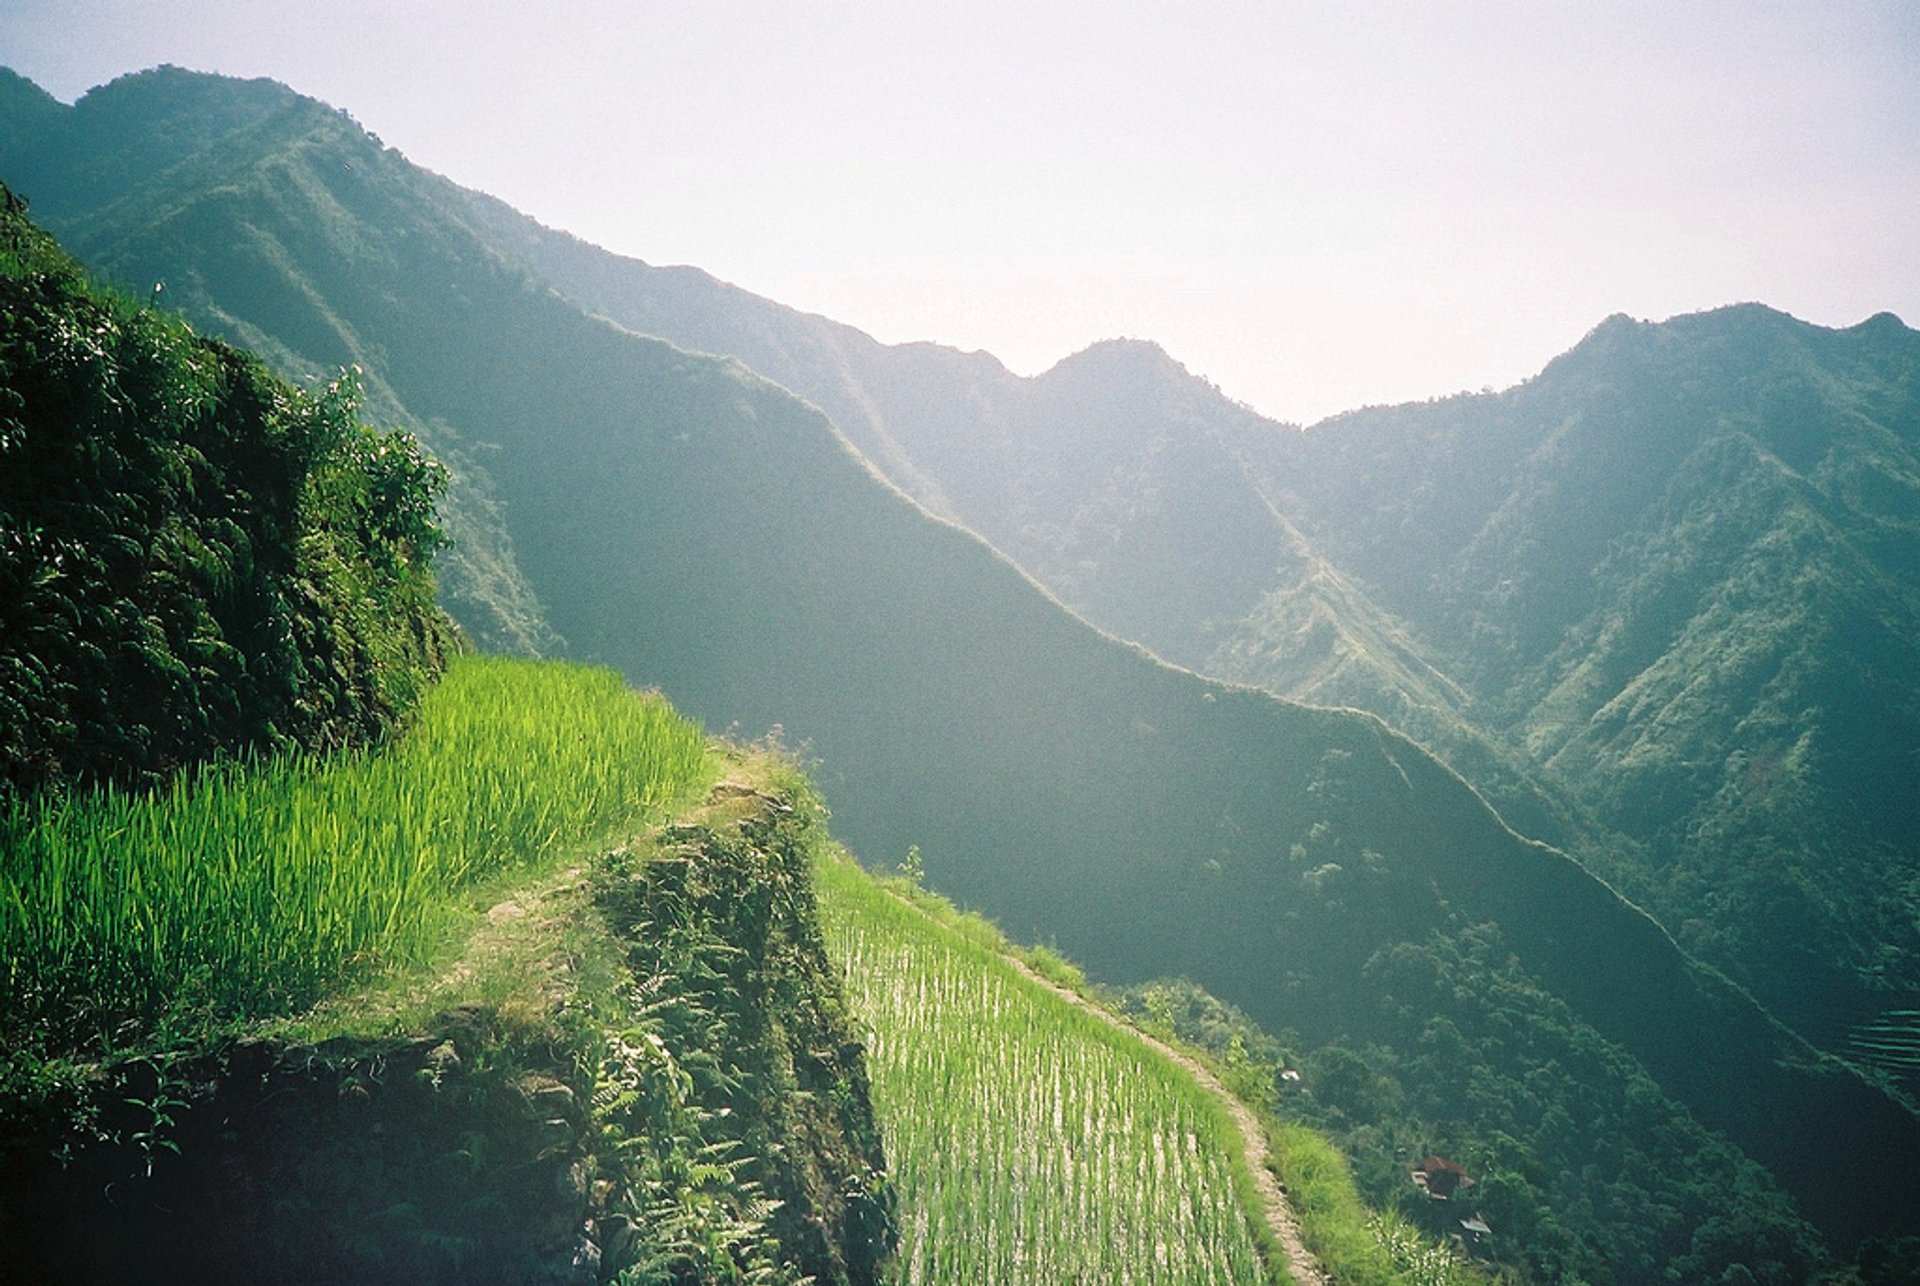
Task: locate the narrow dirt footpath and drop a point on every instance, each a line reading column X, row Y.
column 1304, row 1267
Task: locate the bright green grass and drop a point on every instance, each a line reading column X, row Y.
column 1357, row 1245
column 1029, row 1141
column 253, row 890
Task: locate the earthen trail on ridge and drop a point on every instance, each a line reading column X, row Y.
column 1305, row 1269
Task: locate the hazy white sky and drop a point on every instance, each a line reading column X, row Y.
column 1316, row 206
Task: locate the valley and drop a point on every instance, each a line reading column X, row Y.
column 1536, row 765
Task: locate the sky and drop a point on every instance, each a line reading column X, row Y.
column 1315, row 206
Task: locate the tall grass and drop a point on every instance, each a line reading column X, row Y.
column 254, row 889
column 1029, row 1141
column 1357, row 1246
column 1337, row 1227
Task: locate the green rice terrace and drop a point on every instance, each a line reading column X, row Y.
column 331, row 952
column 522, row 996
column 1031, row 1141
column 248, row 891
column 538, row 991
column 1034, row 1135
column 1890, row 1042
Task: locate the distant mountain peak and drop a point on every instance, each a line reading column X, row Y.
column 194, row 90
column 1883, row 323
column 1726, row 339
column 15, row 89
column 1119, row 353
column 1125, row 344
column 175, row 111
column 25, row 108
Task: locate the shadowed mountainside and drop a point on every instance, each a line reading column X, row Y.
column 1655, row 602
column 710, row 533
column 1128, row 487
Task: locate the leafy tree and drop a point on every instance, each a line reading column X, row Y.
column 196, row 557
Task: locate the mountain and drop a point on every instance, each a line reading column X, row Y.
column 713, row 534
column 25, row 109
column 1128, row 487
column 1654, row 602
column 1676, row 570
column 206, row 122
column 1107, row 458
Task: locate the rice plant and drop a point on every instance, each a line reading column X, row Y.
column 1890, row 1042
column 250, row 889
column 1029, row 1141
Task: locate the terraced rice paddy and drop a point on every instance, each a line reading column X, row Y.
column 255, row 888
column 1030, row 1141
column 1890, row 1042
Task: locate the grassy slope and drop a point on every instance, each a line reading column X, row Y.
column 1151, row 822
column 996, row 1037
column 246, row 891
column 655, row 1001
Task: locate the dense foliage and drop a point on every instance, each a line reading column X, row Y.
column 732, row 1087
column 195, row 556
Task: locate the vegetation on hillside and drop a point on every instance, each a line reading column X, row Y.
column 1357, row 1242
column 1030, row 1140
column 252, row 889
column 1654, row 604
column 732, row 1085
column 641, row 1058
column 210, row 853
column 711, row 534
column 1674, row 571
column 1559, row 1131
column 195, row 556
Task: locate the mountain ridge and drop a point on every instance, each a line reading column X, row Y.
column 1150, row 820
column 1187, row 557
column 1804, row 459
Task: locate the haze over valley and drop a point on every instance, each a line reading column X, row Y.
column 1515, row 783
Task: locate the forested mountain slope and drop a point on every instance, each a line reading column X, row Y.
column 1109, row 458
column 192, row 142
column 710, row 533
column 1652, row 602
column 1121, row 482
column 1677, row 569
